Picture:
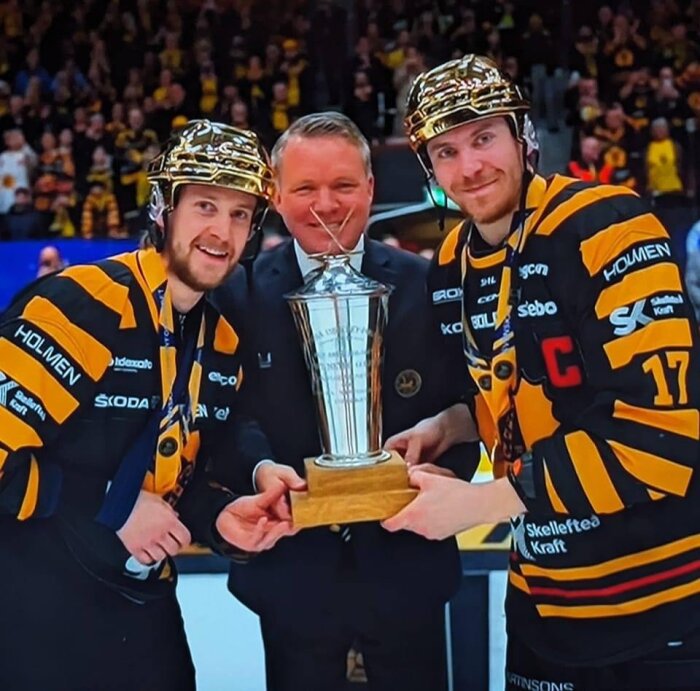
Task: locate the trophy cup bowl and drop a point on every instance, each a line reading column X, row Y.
column 340, row 316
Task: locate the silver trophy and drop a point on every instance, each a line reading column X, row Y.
column 340, row 315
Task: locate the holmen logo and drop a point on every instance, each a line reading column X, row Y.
column 637, row 255
column 52, row 357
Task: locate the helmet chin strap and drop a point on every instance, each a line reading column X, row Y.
column 333, row 236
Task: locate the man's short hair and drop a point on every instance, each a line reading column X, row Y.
column 326, row 124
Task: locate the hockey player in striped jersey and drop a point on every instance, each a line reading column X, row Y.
column 115, row 378
column 582, row 349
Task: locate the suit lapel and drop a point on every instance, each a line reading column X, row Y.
column 377, row 262
column 282, row 273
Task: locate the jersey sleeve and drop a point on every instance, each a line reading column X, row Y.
column 636, row 439
column 54, row 348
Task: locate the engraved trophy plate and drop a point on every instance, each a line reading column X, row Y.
column 340, row 315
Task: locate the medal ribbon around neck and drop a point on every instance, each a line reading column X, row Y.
column 496, row 373
column 179, row 407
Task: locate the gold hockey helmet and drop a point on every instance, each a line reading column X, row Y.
column 460, row 91
column 211, row 153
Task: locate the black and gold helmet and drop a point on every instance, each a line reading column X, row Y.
column 210, row 153
column 460, row 91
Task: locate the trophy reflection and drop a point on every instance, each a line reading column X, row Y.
column 340, row 316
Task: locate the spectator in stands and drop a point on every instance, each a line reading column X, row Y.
column 464, row 36
column 683, row 50
column 618, row 141
column 589, row 166
column 625, row 51
column 165, row 80
column 100, row 169
column 31, row 69
column 71, row 78
column 22, row 220
column 17, row 163
column 134, row 90
column 328, row 27
column 668, row 103
column 172, row 56
column 364, row 60
column 18, row 118
column 539, row 59
column 362, row 106
column 100, row 216
column 295, row 67
column 584, row 106
column 95, row 136
column 117, row 123
column 665, row 185
column 52, row 162
column 494, row 47
column 404, row 76
column 50, row 261
column 255, row 86
column 209, row 88
column 176, row 108
column 129, row 153
column 63, row 208
column 282, row 114
column 663, row 160
column 584, row 58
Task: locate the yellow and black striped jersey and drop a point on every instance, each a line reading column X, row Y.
column 81, row 366
column 602, row 387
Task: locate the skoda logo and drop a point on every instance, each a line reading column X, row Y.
column 408, row 383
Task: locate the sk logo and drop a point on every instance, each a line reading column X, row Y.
column 408, row 383
column 5, row 388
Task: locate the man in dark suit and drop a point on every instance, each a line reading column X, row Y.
column 325, row 589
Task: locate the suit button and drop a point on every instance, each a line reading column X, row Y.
column 504, row 370
column 335, row 528
column 485, row 382
column 167, row 447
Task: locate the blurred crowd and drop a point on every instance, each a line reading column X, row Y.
column 90, row 88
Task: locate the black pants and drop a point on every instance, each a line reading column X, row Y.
column 402, row 651
column 62, row 630
column 675, row 667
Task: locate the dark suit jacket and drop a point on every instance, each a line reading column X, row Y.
column 399, row 570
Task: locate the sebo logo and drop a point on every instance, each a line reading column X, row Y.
column 535, row 308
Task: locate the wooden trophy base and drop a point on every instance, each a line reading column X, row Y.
column 351, row 495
